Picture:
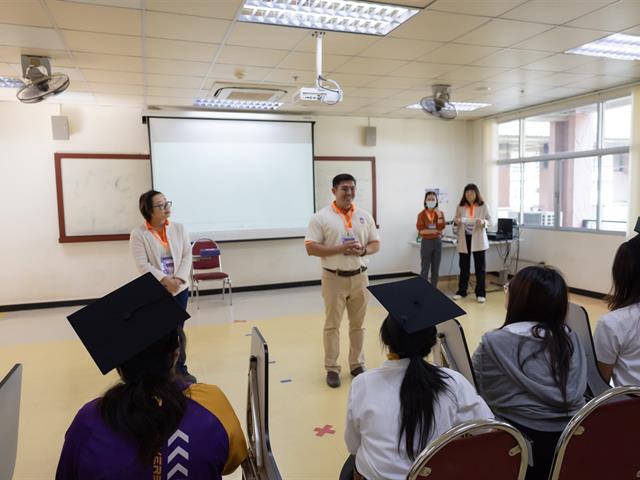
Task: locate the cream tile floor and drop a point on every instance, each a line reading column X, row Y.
column 59, row 376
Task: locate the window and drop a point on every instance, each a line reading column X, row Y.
column 569, row 131
column 538, row 194
column 509, row 140
column 544, row 180
column 614, row 202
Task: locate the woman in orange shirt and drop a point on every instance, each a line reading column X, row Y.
column 430, row 224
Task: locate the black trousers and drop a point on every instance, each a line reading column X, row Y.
column 465, row 270
column 543, row 445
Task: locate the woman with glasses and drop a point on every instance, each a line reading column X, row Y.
column 430, row 224
column 163, row 248
column 532, row 371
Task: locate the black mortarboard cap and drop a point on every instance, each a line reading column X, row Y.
column 415, row 304
column 126, row 321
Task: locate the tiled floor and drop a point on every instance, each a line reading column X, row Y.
column 59, row 376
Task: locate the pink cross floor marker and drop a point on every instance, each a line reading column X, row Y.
column 327, row 429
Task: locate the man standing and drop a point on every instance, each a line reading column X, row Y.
column 342, row 235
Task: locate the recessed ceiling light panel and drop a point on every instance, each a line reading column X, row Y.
column 618, row 46
column 460, row 106
column 236, row 104
column 348, row 16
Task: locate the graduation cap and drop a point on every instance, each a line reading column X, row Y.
column 123, row 323
column 415, row 304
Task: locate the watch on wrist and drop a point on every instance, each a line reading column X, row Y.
column 364, row 252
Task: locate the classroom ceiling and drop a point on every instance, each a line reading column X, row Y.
column 508, row 53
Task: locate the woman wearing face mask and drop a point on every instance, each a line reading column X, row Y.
column 430, row 224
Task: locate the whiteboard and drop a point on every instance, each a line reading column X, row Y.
column 362, row 169
column 98, row 195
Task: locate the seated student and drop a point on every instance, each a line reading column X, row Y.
column 532, row 371
column 617, row 335
column 425, row 399
column 151, row 425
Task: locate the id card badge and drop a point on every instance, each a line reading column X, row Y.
column 167, row 265
column 348, row 237
column 431, row 226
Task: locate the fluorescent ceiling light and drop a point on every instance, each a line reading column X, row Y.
column 460, row 106
column 618, row 46
column 11, row 82
column 335, row 15
column 236, row 104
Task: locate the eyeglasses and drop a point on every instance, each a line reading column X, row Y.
column 163, row 206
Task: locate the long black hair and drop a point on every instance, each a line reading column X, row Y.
column 420, row 386
column 148, row 405
column 625, row 272
column 474, row 188
column 539, row 294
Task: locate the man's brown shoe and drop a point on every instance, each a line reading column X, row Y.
column 333, row 379
column 357, row 371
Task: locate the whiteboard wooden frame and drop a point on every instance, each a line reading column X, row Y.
column 372, row 161
column 59, row 167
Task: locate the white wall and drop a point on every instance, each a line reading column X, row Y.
column 410, row 155
column 584, row 258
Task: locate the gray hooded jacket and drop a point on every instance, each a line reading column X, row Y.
column 527, row 395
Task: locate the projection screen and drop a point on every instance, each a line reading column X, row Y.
column 235, row 179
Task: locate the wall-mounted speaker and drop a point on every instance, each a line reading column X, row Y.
column 370, row 136
column 60, row 127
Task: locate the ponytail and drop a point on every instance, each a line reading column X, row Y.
column 148, row 406
column 420, row 386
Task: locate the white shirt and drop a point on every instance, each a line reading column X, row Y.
column 328, row 228
column 373, row 417
column 617, row 342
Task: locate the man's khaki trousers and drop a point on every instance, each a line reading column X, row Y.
column 340, row 293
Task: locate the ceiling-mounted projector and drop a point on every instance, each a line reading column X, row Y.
column 325, row 90
column 313, row 94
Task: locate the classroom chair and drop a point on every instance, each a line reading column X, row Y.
column 9, row 420
column 478, row 449
column 452, row 351
column 578, row 321
column 601, row 440
column 206, row 268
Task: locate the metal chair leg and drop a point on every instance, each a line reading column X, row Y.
column 198, row 295
column 230, row 293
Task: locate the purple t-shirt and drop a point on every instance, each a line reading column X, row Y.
column 207, row 443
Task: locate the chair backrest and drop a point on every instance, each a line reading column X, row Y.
column 578, row 320
column 601, row 440
column 205, row 263
column 261, row 464
column 9, row 420
column 452, row 351
column 479, row 449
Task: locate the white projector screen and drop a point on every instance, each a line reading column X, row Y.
column 235, row 179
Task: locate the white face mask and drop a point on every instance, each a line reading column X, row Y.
column 430, row 203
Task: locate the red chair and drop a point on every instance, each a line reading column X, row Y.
column 478, row 450
column 205, row 268
column 601, row 440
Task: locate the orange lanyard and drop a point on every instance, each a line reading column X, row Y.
column 431, row 216
column 471, row 209
column 162, row 236
column 346, row 217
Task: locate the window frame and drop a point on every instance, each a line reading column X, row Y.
column 557, row 159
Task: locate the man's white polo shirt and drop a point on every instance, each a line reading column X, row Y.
column 329, row 228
